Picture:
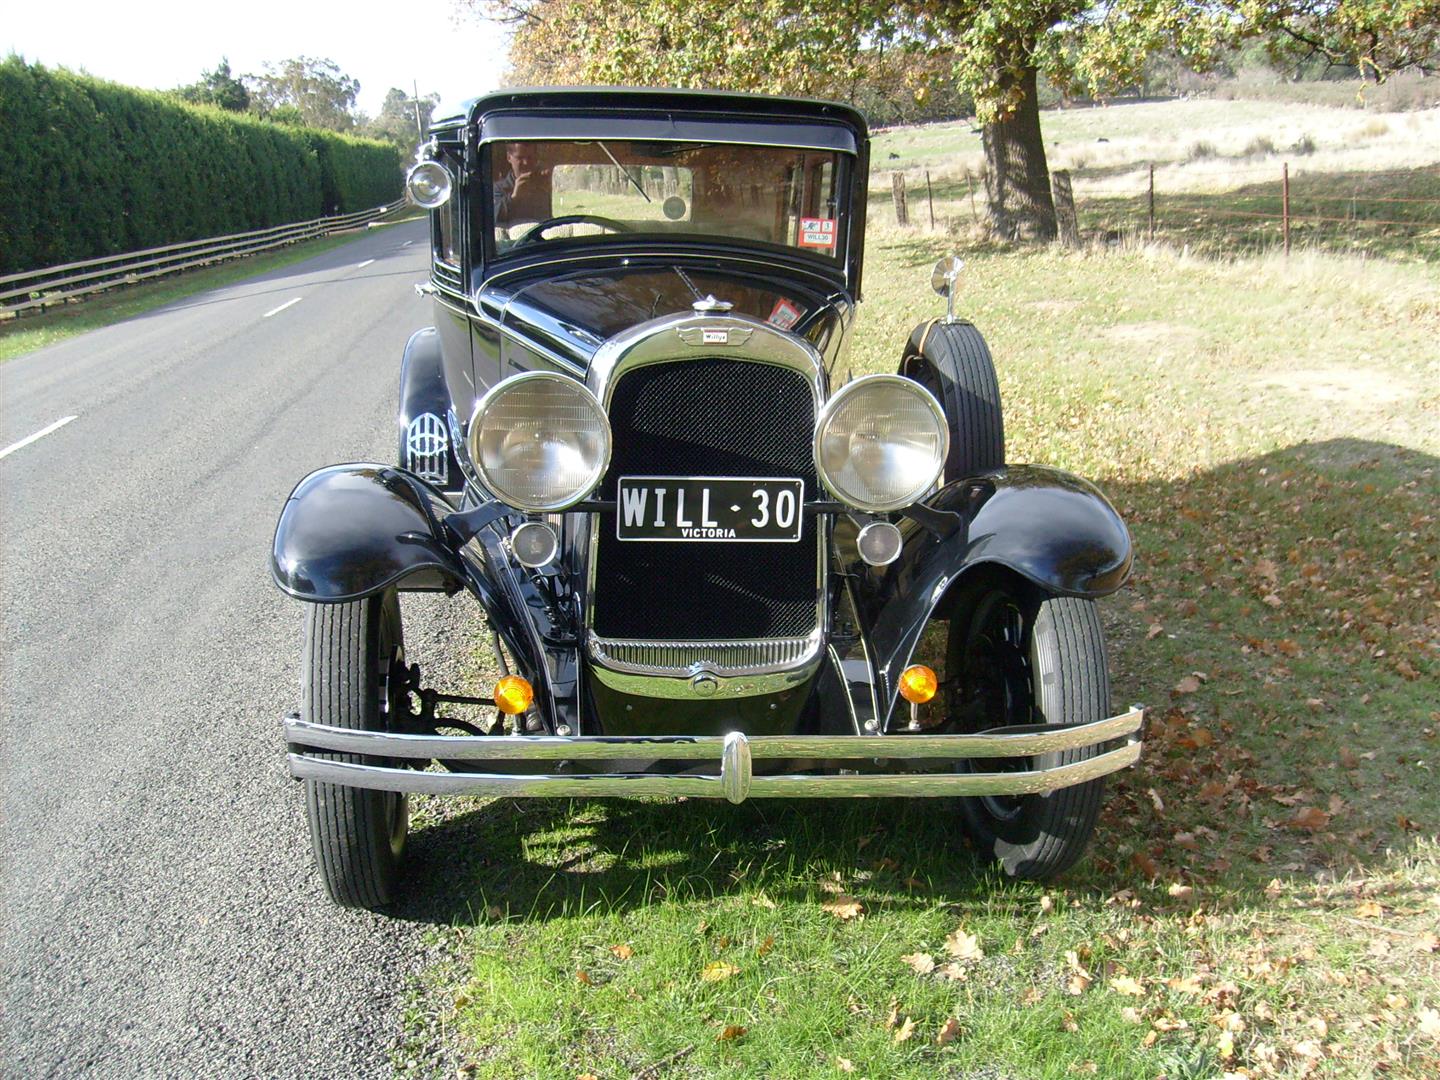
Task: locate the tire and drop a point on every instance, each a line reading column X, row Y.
column 1020, row 658
column 357, row 836
column 952, row 361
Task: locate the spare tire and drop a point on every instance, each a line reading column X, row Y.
column 952, row 361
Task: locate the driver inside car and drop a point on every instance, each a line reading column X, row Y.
column 523, row 190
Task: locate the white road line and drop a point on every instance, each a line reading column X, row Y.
column 366, row 263
column 282, row 307
column 407, row 243
column 56, row 426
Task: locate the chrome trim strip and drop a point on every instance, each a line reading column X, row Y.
column 998, row 743
column 736, row 786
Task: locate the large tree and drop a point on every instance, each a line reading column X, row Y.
column 997, row 51
column 316, row 90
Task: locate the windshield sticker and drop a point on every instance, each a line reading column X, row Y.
column 818, row 232
column 784, row 314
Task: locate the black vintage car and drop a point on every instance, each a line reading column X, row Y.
column 714, row 563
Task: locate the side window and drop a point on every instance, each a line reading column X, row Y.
column 446, row 233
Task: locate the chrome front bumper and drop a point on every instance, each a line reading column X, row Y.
column 733, row 753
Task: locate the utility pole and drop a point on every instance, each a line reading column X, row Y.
column 415, row 101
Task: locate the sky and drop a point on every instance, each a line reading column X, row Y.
column 160, row 44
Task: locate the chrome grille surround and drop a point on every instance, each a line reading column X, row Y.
column 743, row 667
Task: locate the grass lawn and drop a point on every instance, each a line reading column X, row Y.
column 1263, row 895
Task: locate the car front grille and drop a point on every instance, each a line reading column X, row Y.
column 708, row 417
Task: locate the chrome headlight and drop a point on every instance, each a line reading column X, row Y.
column 539, row 441
column 429, row 184
column 881, row 442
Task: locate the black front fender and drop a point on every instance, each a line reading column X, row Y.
column 1051, row 528
column 350, row 531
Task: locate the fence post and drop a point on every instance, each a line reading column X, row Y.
column 930, row 194
column 1065, row 221
column 1152, row 202
column 1285, row 204
column 897, row 187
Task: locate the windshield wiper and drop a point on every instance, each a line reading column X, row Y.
column 624, row 172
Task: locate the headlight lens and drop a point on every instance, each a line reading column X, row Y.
column 539, row 441
column 881, row 442
column 429, row 184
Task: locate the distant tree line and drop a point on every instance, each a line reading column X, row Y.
column 307, row 91
column 91, row 168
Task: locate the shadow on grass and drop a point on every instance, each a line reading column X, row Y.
column 1300, row 584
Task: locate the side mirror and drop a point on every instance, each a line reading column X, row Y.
column 943, row 279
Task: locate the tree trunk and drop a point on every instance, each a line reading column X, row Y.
column 1017, row 178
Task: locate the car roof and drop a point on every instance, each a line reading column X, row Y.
column 639, row 100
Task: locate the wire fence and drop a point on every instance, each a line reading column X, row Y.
column 1394, row 212
column 35, row 290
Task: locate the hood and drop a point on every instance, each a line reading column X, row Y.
column 574, row 314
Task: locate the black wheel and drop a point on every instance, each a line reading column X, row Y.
column 353, row 653
column 1015, row 657
column 952, row 361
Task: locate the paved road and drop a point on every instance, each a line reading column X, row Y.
column 159, row 915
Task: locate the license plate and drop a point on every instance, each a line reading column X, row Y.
column 737, row 509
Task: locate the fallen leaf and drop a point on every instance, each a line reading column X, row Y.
column 893, row 1017
column 1068, row 1022
column 952, row 971
column 832, row 885
column 1227, row 1045
column 584, row 978
column 843, row 907
column 1145, row 864
column 1181, row 892
column 1155, row 800
column 948, row 1030
column 717, row 970
column 1187, row 985
column 1311, row 818
column 624, row 952
column 964, row 946
column 494, row 912
column 763, row 901
column 1348, row 760
column 1429, row 1022
column 1131, row 1015
column 905, row 1030
column 730, row 1031
column 1428, row 943
column 1370, row 910
column 1077, row 984
column 1188, row 685
column 1046, row 903
column 587, row 1076
column 920, row 963
column 1124, row 984
column 845, row 1065
column 1154, row 631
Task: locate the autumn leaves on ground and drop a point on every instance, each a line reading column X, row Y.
column 1262, row 898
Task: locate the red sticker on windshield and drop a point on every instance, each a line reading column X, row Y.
column 784, row 314
column 817, row 232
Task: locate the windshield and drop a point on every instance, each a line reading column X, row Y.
column 563, row 192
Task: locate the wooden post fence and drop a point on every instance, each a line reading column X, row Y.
column 897, row 186
column 1152, row 202
column 1285, row 205
column 930, row 194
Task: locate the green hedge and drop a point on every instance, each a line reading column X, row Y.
column 91, row 168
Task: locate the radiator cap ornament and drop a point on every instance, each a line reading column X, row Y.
column 709, row 305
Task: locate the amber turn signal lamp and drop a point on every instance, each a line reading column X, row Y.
column 918, row 684
column 513, row 695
